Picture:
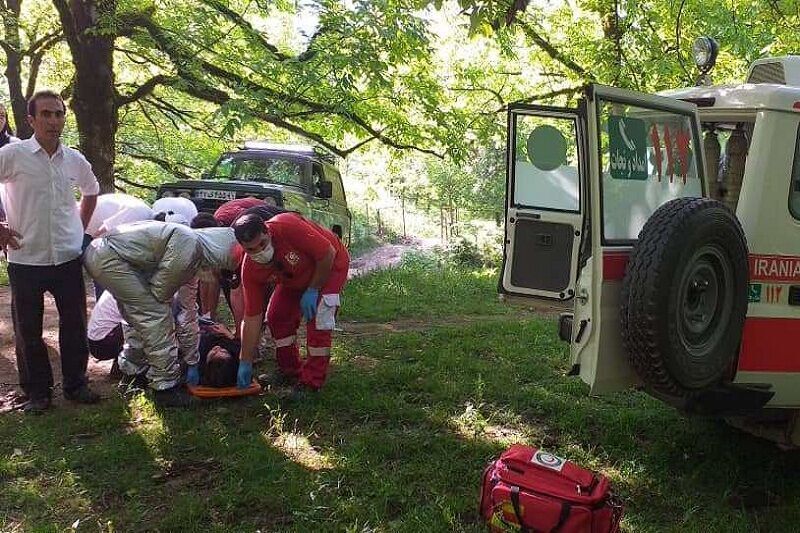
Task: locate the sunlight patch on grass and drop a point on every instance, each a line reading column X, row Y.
column 472, row 425
column 504, row 435
column 295, row 446
column 298, row 448
column 146, row 421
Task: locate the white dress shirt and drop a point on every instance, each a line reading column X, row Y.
column 11, row 139
column 39, row 200
column 104, row 318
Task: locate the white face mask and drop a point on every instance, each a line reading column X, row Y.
column 264, row 256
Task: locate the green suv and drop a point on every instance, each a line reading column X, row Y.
column 297, row 177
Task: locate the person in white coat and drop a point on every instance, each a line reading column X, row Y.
column 115, row 209
column 143, row 265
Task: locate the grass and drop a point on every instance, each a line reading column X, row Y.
column 395, row 443
column 421, row 289
column 3, row 273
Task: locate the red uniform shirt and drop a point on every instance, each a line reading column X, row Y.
column 299, row 244
column 230, row 210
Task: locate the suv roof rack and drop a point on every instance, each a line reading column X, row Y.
column 320, row 152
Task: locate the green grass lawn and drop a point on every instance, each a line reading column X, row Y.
column 421, row 289
column 395, row 443
column 3, row 273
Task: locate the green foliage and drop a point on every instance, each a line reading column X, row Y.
column 362, row 236
column 465, row 253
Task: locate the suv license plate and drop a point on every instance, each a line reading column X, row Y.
column 217, row 195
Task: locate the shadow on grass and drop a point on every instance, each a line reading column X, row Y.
column 395, row 442
column 497, row 383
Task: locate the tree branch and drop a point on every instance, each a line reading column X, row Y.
column 191, row 83
column 497, row 95
column 551, row 50
column 678, row 40
column 145, row 89
column 546, row 96
column 163, row 163
column 117, row 177
column 251, row 32
column 44, row 43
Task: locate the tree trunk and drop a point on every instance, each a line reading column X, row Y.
column 13, row 70
column 93, row 95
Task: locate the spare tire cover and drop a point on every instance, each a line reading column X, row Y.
column 684, row 296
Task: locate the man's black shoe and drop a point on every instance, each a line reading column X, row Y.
column 82, row 394
column 37, row 405
column 115, row 373
column 174, row 397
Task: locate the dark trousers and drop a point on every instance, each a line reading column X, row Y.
column 109, row 346
column 65, row 283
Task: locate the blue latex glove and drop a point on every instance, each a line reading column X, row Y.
column 245, row 375
column 193, row 375
column 308, row 303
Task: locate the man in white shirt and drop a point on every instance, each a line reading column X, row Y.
column 44, row 233
column 113, row 210
column 105, row 329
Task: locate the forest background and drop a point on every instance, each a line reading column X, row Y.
column 411, row 94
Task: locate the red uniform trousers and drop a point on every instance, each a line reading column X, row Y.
column 283, row 319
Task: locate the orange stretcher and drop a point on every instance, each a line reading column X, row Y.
column 224, row 392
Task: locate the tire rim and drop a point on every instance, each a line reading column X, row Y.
column 705, row 300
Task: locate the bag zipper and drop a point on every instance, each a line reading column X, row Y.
column 580, row 488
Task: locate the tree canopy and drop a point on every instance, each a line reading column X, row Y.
column 158, row 87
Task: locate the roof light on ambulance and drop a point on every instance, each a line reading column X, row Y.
column 705, row 50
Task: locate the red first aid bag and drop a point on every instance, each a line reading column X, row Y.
column 532, row 491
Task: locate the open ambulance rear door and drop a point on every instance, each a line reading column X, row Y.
column 581, row 183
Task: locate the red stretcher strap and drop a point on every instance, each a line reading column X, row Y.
column 224, row 392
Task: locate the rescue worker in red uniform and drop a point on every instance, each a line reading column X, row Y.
column 307, row 264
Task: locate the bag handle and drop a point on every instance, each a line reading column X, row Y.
column 566, row 509
column 517, row 513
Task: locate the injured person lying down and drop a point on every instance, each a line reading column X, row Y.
column 219, row 355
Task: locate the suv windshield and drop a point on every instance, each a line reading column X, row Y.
column 260, row 169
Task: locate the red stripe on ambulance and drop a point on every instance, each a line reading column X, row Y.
column 767, row 268
column 770, row 345
column 614, row 264
column 775, row 268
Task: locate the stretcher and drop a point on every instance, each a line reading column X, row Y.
column 208, row 393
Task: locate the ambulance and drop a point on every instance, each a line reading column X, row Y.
column 667, row 228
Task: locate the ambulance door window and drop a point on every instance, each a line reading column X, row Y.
column 794, row 192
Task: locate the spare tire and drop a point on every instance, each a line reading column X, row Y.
column 684, row 296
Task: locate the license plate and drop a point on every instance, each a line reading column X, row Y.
column 216, row 195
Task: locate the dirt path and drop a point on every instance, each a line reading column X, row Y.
column 388, row 255
column 9, row 380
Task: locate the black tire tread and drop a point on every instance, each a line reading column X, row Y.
column 644, row 279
